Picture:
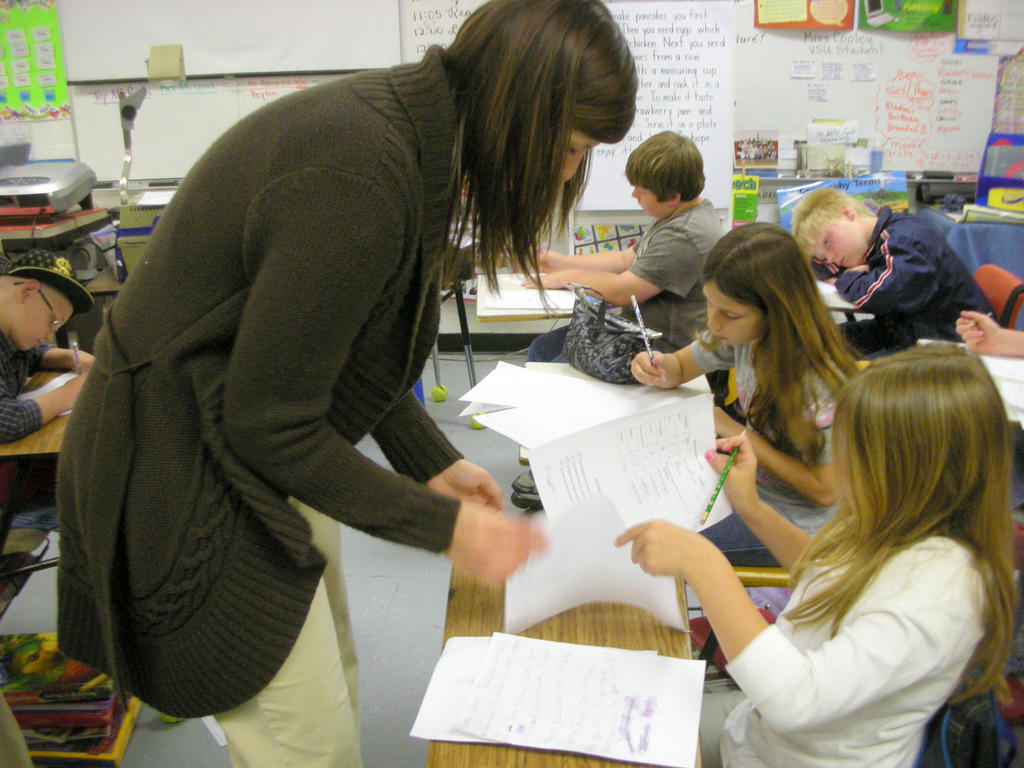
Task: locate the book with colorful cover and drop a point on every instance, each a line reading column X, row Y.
column 75, row 714
column 103, row 751
column 34, row 672
column 874, row 190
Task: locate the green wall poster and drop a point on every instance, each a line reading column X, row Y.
column 32, row 81
column 908, row 15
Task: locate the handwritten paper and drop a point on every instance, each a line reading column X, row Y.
column 647, row 466
column 832, row 132
column 684, row 60
column 623, row 705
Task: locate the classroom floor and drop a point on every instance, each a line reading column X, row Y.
column 397, row 598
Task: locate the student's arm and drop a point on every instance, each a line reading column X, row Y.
column 667, row 371
column 616, row 288
column 23, row 417
column 811, row 480
column 784, row 540
column 60, row 359
column 602, row 261
column 663, row 549
column 54, row 403
column 985, row 336
column 905, row 281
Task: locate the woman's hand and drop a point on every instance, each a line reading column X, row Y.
column 491, row 546
column 466, row 481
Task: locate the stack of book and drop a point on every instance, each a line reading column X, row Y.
column 67, row 711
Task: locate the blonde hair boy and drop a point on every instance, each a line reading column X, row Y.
column 893, row 266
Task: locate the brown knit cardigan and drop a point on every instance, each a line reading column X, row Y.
column 284, row 308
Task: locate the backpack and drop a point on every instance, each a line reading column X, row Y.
column 968, row 734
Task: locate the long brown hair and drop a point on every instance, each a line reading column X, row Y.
column 761, row 266
column 525, row 74
column 923, row 449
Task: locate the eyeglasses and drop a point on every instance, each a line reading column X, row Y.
column 55, row 321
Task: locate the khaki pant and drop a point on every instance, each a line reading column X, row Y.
column 12, row 744
column 308, row 715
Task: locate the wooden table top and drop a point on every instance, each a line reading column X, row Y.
column 474, row 609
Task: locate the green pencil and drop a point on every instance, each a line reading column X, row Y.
column 718, row 488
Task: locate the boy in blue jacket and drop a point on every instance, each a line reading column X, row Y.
column 894, row 266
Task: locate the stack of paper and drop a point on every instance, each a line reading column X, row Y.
column 634, row 706
column 604, row 457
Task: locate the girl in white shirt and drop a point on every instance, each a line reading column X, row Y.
column 904, row 598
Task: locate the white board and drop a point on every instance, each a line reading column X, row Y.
column 175, row 123
column 110, row 39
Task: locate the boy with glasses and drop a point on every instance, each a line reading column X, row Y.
column 38, row 294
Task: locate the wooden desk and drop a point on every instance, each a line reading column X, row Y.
column 474, row 609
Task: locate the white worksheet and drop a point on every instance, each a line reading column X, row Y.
column 622, row 705
column 647, row 466
column 582, row 565
column 537, row 407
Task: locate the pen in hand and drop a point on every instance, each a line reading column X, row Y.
column 643, row 328
column 718, row 488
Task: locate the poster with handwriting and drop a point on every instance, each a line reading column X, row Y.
column 684, row 59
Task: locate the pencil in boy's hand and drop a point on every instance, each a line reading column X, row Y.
column 718, row 488
column 74, row 351
column 643, row 328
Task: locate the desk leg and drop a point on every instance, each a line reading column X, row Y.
column 467, row 347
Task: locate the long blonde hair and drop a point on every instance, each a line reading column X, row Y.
column 761, row 266
column 922, row 449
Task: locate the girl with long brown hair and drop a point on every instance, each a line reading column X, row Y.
column 767, row 320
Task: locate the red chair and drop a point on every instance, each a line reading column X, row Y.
column 1004, row 291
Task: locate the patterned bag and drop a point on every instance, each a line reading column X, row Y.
column 600, row 343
